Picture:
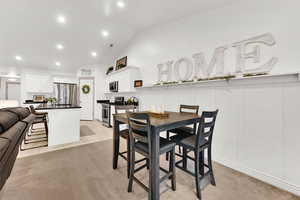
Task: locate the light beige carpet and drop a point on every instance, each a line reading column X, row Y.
column 85, row 173
column 86, row 131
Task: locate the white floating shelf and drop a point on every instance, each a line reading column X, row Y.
column 263, row 79
column 122, row 70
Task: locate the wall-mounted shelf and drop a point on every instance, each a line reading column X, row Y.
column 116, row 93
column 263, row 79
column 122, row 70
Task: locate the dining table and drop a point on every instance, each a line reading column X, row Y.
column 158, row 125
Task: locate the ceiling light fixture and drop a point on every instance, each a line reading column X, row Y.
column 59, row 46
column 61, row 19
column 18, row 58
column 94, row 54
column 121, row 4
column 58, row 64
column 105, row 33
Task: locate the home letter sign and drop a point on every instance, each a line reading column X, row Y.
column 204, row 69
column 242, row 55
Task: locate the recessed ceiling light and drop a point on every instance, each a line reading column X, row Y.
column 105, row 33
column 19, row 58
column 59, row 46
column 61, row 19
column 94, row 54
column 121, row 4
column 58, row 64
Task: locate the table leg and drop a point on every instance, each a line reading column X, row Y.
column 154, row 180
column 116, row 143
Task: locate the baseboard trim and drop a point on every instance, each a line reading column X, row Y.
column 275, row 181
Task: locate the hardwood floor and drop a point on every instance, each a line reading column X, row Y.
column 85, row 173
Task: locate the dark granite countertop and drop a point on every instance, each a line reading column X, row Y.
column 56, row 106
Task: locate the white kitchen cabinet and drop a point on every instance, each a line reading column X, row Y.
column 38, row 83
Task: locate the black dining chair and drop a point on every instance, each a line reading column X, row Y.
column 198, row 144
column 185, row 131
column 140, row 141
column 124, row 133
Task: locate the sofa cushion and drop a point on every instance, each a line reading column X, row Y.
column 4, row 143
column 13, row 135
column 7, row 120
column 20, row 111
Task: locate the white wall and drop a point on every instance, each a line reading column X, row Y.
column 257, row 128
column 206, row 31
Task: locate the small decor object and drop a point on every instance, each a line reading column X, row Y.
column 86, row 89
column 51, row 100
column 38, row 98
column 158, row 115
column 109, row 70
column 121, row 63
column 138, row 83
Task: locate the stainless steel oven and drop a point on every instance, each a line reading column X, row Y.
column 113, row 86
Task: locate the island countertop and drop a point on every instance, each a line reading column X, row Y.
column 56, row 106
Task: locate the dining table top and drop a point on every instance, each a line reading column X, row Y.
column 174, row 117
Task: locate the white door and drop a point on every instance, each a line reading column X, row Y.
column 13, row 91
column 87, row 99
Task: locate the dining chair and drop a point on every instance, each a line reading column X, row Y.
column 198, row 144
column 124, row 133
column 31, row 136
column 185, row 131
column 140, row 141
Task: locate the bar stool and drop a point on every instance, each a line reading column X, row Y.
column 125, row 134
column 198, row 144
column 140, row 141
column 185, row 131
column 40, row 118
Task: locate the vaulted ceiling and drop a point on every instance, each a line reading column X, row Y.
column 30, row 28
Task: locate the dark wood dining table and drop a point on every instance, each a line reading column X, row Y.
column 174, row 120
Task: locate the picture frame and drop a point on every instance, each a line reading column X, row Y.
column 138, row 83
column 121, row 63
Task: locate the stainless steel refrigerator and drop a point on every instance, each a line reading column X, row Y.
column 66, row 93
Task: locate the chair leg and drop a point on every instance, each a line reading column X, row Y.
column 212, row 177
column 46, row 127
column 168, row 138
column 179, row 149
column 148, row 163
column 173, row 169
column 184, row 164
column 128, row 157
column 132, row 166
column 197, row 175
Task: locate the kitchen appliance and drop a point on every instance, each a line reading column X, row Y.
column 66, row 93
column 119, row 101
column 106, row 112
column 113, row 86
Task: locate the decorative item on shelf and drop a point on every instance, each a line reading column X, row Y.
column 86, row 89
column 51, row 100
column 109, row 70
column 121, row 63
column 138, row 83
column 228, row 77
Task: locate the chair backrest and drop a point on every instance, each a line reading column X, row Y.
column 32, row 110
column 124, row 109
column 206, row 127
column 189, row 109
column 139, row 127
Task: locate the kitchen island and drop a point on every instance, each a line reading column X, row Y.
column 63, row 123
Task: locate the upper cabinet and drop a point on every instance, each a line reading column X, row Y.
column 125, row 78
column 36, row 83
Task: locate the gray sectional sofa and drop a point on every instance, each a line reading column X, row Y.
column 14, row 123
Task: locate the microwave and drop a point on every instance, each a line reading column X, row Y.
column 113, row 86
